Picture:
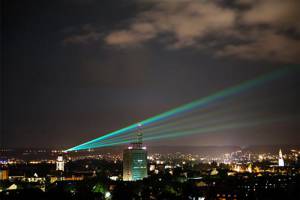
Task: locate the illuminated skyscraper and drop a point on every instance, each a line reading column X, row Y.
column 60, row 165
column 135, row 160
column 280, row 159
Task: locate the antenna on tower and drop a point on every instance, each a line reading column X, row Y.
column 139, row 138
column 139, row 134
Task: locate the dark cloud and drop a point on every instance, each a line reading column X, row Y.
column 266, row 45
column 86, row 34
column 273, row 13
column 188, row 23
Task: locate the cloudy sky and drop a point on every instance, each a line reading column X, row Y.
column 73, row 70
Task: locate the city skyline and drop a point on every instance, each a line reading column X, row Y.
column 149, row 99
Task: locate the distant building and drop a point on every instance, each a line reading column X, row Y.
column 3, row 174
column 280, row 159
column 249, row 168
column 214, row 172
column 135, row 161
column 152, row 168
column 60, row 164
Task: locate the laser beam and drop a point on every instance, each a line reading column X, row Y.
column 244, row 86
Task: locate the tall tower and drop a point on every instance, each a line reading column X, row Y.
column 135, row 159
column 280, row 159
column 60, row 165
column 139, row 134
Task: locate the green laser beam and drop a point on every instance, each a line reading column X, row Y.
column 207, row 117
column 202, row 131
column 208, row 123
column 201, row 102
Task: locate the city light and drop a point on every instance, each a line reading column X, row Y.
column 150, row 100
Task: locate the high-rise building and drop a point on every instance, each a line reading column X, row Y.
column 280, row 159
column 135, row 160
column 60, row 164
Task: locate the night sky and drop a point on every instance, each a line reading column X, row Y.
column 73, row 70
